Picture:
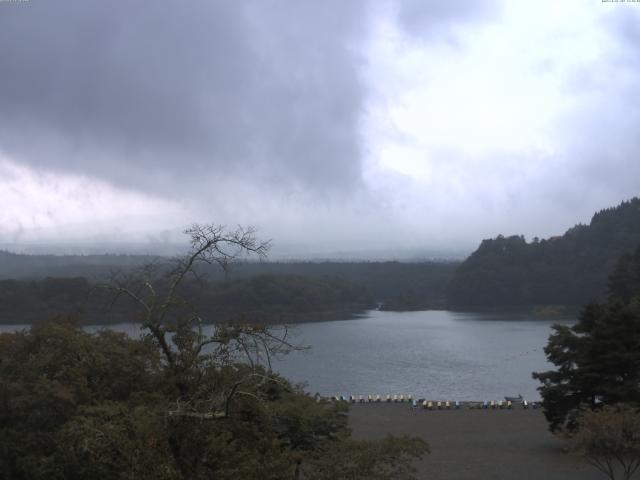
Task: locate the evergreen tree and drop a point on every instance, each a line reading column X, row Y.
column 598, row 359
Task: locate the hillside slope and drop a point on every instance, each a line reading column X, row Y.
column 567, row 270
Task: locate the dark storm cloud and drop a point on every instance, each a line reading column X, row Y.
column 161, row 93
column 269, row 111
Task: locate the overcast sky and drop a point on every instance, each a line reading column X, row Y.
column 333, row 125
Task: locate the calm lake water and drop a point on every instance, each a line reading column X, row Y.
column 433, row 354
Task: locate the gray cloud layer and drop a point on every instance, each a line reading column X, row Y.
column 157, row 93
column 434, row 18
column 256, row 107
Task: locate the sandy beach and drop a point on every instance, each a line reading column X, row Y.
column 476, row 444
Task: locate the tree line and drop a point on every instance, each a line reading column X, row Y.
column 265, row 298
column 571, row 269
column 269, row 292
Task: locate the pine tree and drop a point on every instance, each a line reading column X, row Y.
column 598, row 359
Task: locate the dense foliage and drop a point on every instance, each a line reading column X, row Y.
column 597, row 359
column 29, row 301
column 399, row 285
column 567, row 270
column 78, row 406
column 187, row 401
column 267, row 298
column 609, row 438
column 285, row 298
column 271, row 292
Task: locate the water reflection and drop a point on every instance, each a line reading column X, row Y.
column 436, row 354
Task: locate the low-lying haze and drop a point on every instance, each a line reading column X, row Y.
column 331, row 126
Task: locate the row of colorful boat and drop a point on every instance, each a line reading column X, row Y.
column 508, row 403
column 372, row 399
column 486, row 405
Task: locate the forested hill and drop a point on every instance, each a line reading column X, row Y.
column 568, row 270
column 269, row 292
column 264, row 298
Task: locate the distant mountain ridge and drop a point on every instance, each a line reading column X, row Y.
column 571, row 269
column 15, row 265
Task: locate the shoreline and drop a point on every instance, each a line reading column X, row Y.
column 278, row 318
column 497, row 403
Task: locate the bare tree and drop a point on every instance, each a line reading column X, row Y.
column 209, row 365
column 175, row 325
column 609, row 438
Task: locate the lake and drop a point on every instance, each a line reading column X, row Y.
column 433, row 354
